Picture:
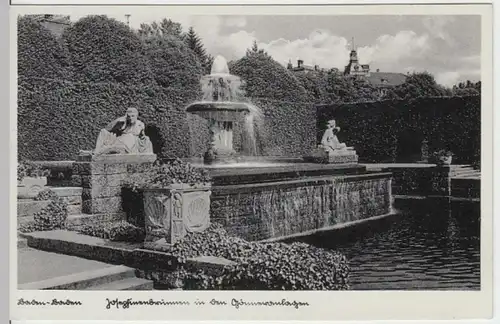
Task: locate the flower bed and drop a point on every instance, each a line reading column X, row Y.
column 119, row 231
column 259, row 266
column 49, row 218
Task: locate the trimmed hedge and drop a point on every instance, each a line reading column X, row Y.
column 173, row 63
column 56, row 119
column 288, row 128
column 69, row 116
column 378, row 130
column 105, row 50
column 265, row 78
column 39, row 53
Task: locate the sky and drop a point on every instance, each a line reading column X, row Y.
column 447, row 46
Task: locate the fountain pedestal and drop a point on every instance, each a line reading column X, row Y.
column 221, row 148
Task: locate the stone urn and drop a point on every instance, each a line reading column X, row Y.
column 442, row 158
column 445, row 160
column 29, row 187
column 172, row 212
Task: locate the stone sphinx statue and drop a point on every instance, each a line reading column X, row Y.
column 124, row 135
column 330, row 149
column 330, row 142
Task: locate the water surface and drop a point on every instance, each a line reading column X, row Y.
column 426, row 248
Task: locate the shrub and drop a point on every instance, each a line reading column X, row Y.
column 49, row 218
column 173, row 63
column 265, row 78
column 264, row 266
column 106, row 50
column 46, row 194
column 39, row 53
column 120, row 231
column 163, row 175
column 30, row 169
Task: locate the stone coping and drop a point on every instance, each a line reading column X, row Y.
column 320, row 180
column 118, row 253
column 117, row 158
column 284, row 168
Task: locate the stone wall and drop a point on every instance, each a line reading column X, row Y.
column 102, row 180
column 281, row 209
column 421, row 180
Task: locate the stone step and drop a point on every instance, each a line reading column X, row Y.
column 125, row 284
column 77, row 219
column 67, row 191
column 28, row 207
column 22, row 243
column 82, row 280
column 84, row 219
column 468, row 176
column 464, row 172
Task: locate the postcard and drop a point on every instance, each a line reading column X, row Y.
column 208, row 162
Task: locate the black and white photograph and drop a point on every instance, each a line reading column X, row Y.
column 159, row 151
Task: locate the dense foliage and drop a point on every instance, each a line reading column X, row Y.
column 418, row 85
column 265, row 78
column 114, row 231
column 46, row 194
column 51, row 217
column 30, row 169
column 39, row 53
column 379, row 131
column 166, row 27
column 173, row 64
column 69, row 116
column 163, row 175
column 261, row 266
column 106, row 50
column 467, row 88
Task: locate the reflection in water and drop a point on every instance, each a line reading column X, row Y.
column 424, row 250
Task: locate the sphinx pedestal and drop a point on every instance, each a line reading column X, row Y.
column 101, row 178
column 320, row 155
column 170, row 213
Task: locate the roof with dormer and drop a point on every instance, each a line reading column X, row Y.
column 385, row 79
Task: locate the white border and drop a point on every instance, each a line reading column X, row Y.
column 382, row 305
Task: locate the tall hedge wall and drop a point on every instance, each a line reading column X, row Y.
column 378, row 130
column 56, row 119
column 103, row 49
column 39, row 52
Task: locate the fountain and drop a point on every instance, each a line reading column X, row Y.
column 262, row 198
column 220, row 106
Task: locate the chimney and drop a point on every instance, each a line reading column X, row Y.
column 299, row 63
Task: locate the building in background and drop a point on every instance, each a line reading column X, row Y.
column 380, row 80
column 55, row 23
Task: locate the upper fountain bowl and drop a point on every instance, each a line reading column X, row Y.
column 221, row 94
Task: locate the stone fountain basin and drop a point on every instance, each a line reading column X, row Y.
column 217, row 106
column 274, row 169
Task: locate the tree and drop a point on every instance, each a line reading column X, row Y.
column 316, row 85
column 418, row 85
column 265, row 78
column 193, row 41
column 39, row 53
column 166, row 27
column 105, row 50
column 467, row 88
column 173, row 64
